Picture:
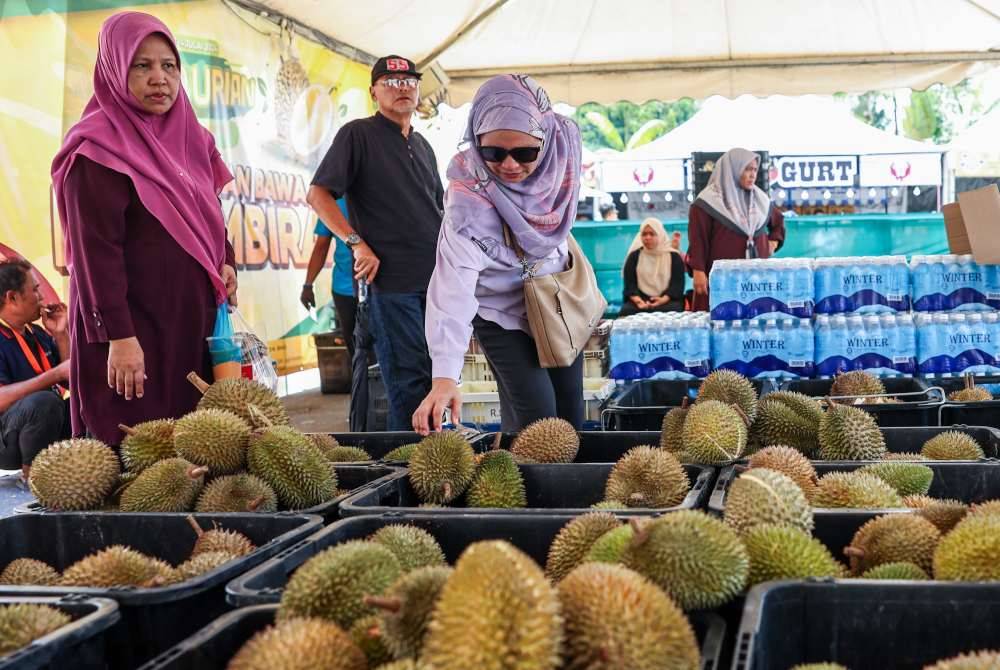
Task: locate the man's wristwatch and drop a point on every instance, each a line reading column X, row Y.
column 352, row 240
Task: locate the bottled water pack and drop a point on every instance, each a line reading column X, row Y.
column 882, row 344
column 953, row 283
column 955, row 343
column 862, row 285
column 758, row 348
column 671, row 345
column 759, row 288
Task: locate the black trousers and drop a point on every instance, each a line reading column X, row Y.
column 31, row 424
column 346, row 308
column 528, row 391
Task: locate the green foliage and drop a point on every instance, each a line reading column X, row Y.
column 627, row 125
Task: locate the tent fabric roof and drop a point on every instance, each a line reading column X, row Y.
column 802, row 126
column 609, row 50
column 981, row 137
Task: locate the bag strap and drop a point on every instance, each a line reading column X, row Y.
column 527, row 269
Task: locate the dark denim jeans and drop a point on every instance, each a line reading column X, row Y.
column 397, row 324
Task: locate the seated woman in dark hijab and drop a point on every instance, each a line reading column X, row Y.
column 653, row 272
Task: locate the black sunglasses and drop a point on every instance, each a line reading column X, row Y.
column 499, row 154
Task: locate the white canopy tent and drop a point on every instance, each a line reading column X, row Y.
column 609, row 50
column 981, row 137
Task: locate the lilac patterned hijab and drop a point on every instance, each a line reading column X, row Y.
column 539, row 210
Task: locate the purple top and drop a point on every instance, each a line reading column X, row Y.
column 476, row 273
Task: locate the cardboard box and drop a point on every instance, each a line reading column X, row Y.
column 973, row 224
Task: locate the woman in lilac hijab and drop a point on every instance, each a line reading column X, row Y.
column 137, row 183
column 519, row 176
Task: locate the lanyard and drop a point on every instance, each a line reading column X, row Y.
column 29, row 355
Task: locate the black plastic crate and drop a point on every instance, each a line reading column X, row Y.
column 354, row 478
column 920, row 404
column 151, row 619
column 641, row 405
column 984, row 413
column 567, row 488
column 596, row 446
column 966, row 481
column 216, row 644
column 80, row 644
column 864, row 624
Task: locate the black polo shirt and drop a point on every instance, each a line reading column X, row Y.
column 14, row 364
column 395, row 199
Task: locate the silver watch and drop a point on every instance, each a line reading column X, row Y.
column 352, row 240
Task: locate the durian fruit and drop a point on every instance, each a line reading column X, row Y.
column 119, row 565
column 904, row 456
column 548, row 441
column 616, row 618
column 943, row 513
column 442, row 468
column 714, row 433
column 413, row 547
column 237, row 493
column 497, row 482
column 574, row 540
column 908, row 479
column 786, row 552
column 74, row 475
column 324, row 441
column 730, row 388
column 293, row 466
column 219, row 539
column 648, row 477
column 761, row 496
column 610, row 547
column 697, row 559
column 791, row 463
column 988, row 507
column 672, row 430
column 147, row 443
column 333, row 583
column 22, row 623
column 969, row 552
column 203, row 562
column 891, row 539
column 493, row 585
column 214, row 438
column 850, row 434
column 852, row 387
column 404, row 664
column 29, row 572
column 300, row 644
column 855, row 490
column 367, row 634
column 609, row 504
column 238, row 395
column 951, row 446
column 404, row 612
column 403, row 453
column 787, row 418
column 971, row 392
column 898, row 570
column 975, row 660
column 344, row 454
column 172, row 485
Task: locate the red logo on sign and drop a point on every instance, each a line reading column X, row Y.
column 640, row 179
column 895, row 173
column 397, row 65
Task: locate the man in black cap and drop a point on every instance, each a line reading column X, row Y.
column 395, row 201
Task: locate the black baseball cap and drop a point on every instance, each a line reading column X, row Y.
column 394, row 65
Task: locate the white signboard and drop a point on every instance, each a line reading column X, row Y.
column 901, row 170
column 825, row 171
column 657, row 175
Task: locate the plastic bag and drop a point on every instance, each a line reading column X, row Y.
column 255, row 354
column 222, row 345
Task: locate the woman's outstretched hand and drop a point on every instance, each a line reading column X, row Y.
column 444, row 395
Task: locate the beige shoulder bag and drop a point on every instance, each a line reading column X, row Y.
column 563, row 308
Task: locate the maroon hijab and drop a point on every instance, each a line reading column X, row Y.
column 170, row 158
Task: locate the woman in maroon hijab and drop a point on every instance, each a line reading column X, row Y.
column 137, row 183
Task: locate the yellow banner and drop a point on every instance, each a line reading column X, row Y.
column 273, row 101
